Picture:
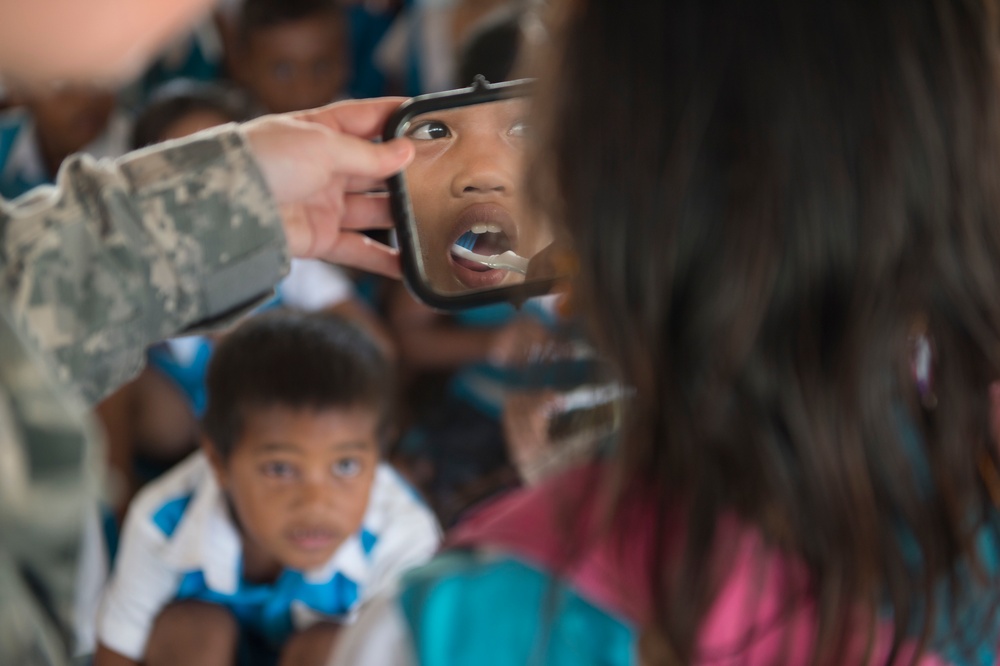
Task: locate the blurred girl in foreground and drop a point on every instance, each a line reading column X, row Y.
column 775, row 203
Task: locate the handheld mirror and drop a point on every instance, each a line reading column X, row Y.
column 464, row 230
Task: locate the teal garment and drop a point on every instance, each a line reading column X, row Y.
column 199, row 63
column 15, row 180
column 484, row 386
column 969, row 637
column 471, row 608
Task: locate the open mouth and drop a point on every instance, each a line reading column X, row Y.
column 484, row 241
column 312, row 538
column 485, row 230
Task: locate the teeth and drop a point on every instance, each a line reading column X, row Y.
column 486, row 228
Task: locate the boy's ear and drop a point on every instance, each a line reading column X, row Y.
column 215, row 460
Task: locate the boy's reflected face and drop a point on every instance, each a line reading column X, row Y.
column 298, row 482
column 466, row 179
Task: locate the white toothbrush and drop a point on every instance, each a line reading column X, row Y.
column 508, row 261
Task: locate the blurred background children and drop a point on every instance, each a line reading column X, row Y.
column 50, row 122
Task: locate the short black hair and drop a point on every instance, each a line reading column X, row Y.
column 491, row 51
column 258, row 15
column 295, row 360
column 172, row 101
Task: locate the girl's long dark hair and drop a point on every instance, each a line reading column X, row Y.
column 771, row 201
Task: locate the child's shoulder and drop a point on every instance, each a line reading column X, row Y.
column 163, row 503
column 396, row 511
column 392, row 496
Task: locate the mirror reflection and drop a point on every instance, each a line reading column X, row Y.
column 472, row 226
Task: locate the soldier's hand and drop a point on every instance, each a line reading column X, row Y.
column 319, row 165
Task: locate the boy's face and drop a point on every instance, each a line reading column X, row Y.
column 68, row 117
column 298, row 481
column 467, row 175
column 296, row 65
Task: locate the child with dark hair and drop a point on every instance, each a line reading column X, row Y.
column 51, row 122
column 491, row 50
column 184, row 106
column 270, row 537
column 292, row 54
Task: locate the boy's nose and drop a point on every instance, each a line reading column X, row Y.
column 315, row 494
column 482, row 173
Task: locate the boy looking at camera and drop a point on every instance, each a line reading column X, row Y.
column 292, row 54
column 269, row 538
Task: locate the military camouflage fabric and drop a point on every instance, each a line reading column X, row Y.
column 121, row 254
column 116, row 256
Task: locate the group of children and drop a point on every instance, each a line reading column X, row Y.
column 283, row 56
column 252, row 507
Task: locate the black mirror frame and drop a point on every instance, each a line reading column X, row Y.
column 480, row 92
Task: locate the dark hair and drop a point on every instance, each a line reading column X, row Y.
column 296, row 360
column 172, row 101
column 258, row 15
column 491, row 51
column 769, row 200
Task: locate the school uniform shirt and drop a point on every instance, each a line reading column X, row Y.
column 312, row 285
column 22, row 167
column 179, row 542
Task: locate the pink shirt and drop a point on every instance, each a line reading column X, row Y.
column 761, row 614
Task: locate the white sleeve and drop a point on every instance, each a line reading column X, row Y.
column 413, row 539
column 90, row 580
column 379, row 637
column 313, row 285
column 140, row 586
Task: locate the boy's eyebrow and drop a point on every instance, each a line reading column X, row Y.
column 355, row 444
column 277, row 446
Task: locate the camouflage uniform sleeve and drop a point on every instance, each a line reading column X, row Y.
column 121, row 254
column 50, row 463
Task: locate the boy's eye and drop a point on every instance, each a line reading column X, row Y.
column 347, row 467
column 278, row 470
column 429, row 130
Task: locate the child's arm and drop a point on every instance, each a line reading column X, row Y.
column 309, row 647
column 108, row 657
column 140, row 586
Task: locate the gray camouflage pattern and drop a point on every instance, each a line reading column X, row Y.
column 114, row 257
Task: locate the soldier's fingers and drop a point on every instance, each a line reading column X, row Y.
column 365, row 185
column 355, row 158
column 363, row 118
column 362, row 211
column 359, row 251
